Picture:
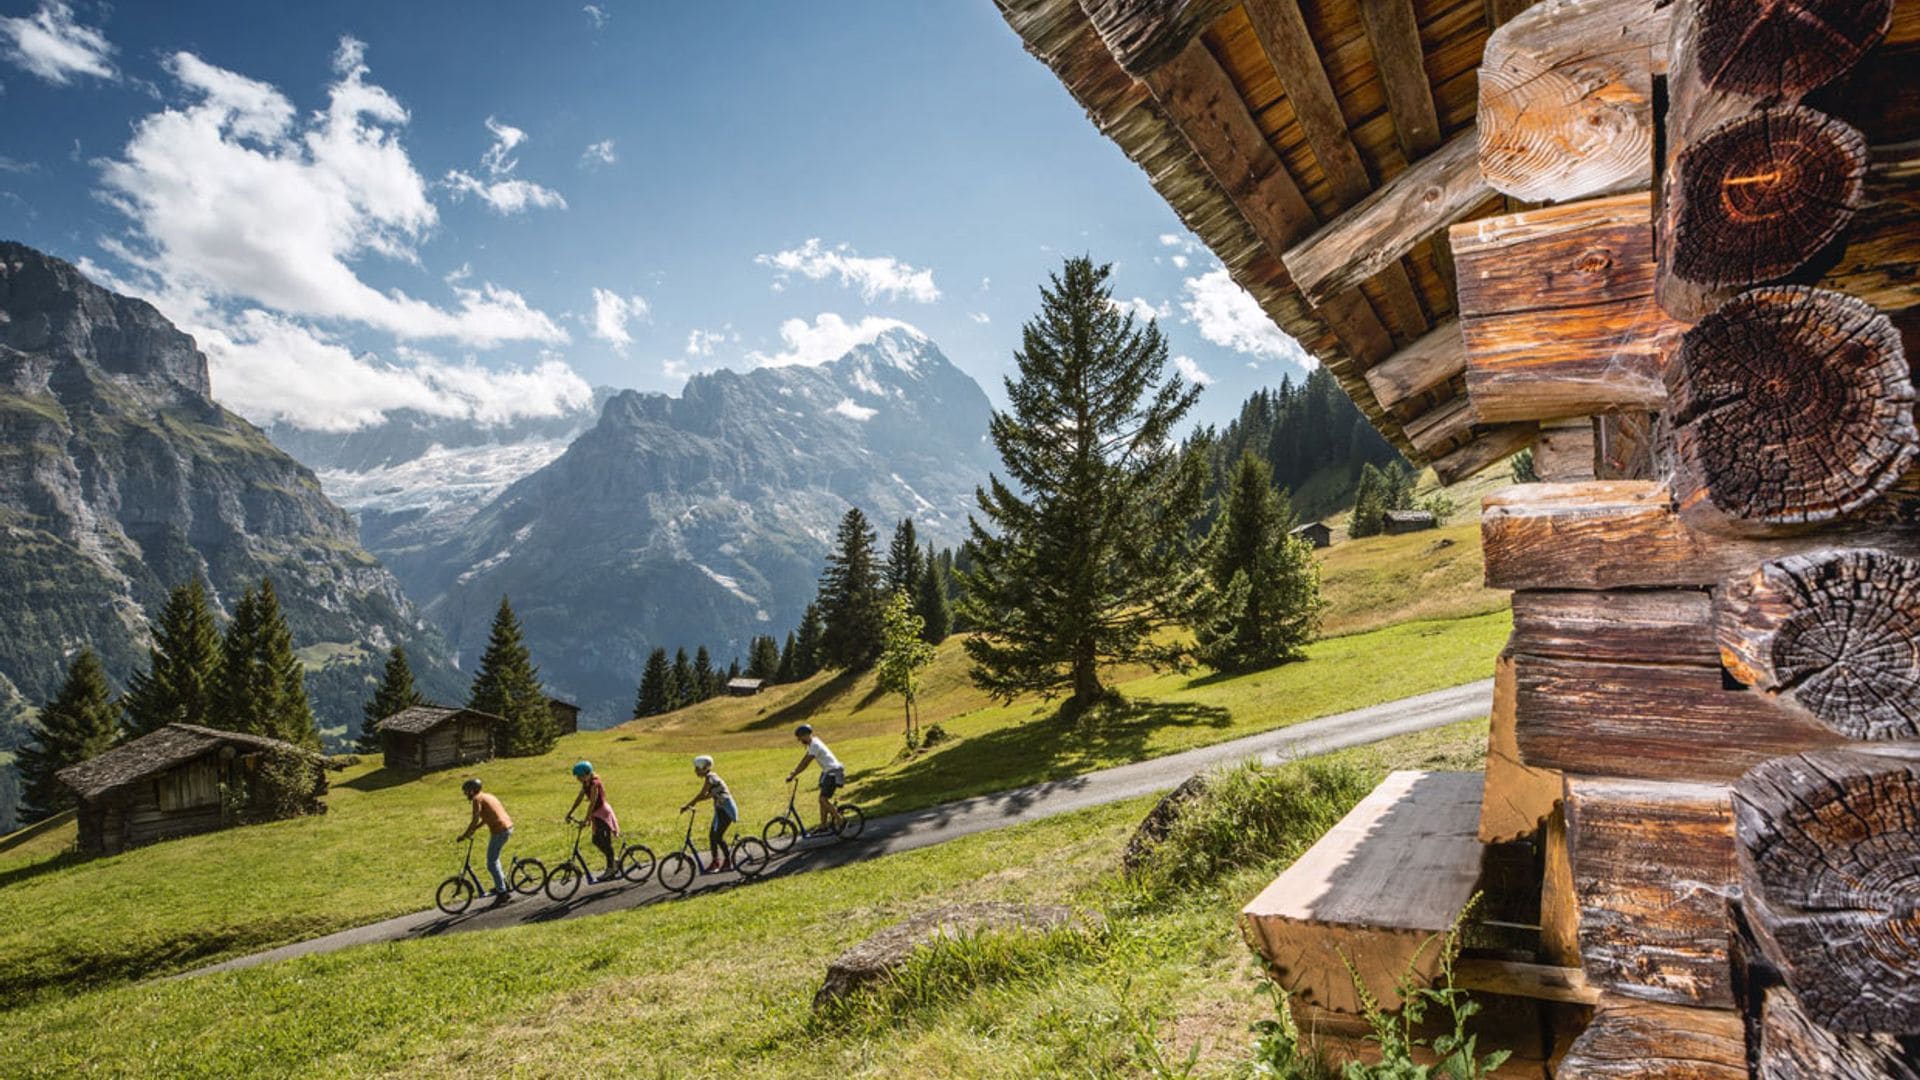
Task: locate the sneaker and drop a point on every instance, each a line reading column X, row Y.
column 610, row 874
column 501, row 898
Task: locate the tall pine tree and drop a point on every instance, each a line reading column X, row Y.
column 763, row 658
column 850, row 598
column 1079, row 561
column 1260, row 603
column 903, row 560
column 79, row 723
column 263, row 687
column 806, row 645
column 930, row 602
column 702, row 674
column 686, row 689
column 785, row 672
column 655, row 694
column 183, row 666
column 396, row 692
column 507, row 685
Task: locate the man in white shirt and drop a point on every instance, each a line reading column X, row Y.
column 832, row 775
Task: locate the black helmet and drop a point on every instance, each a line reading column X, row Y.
column 803, row 731
column 471, row 785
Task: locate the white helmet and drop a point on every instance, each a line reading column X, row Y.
column 702, row 764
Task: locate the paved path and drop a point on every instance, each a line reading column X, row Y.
column 938, row 824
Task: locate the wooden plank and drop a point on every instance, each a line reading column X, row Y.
column 1395, row 872
column 1439, row 427
column 1559, row 900
column 1625, row 534
column 1566, row 99
column 1623, row 446
column 1517, row 798
column 1649, row 721
column 1423, row 366
column 1142, row 35
column 1439, row 190
column 1662, row 626
column 1564, row 450
column 1653, row 867
column 1557, row 313
column 1400, row 59
column 1494, row 444
column 1513, row 978
column 1638, row 1040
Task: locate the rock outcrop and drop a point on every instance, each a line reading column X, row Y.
column 878, row 957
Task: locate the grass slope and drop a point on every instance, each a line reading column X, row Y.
column 721, row 986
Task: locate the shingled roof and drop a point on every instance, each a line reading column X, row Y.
column 417, row 719
column 159, row 751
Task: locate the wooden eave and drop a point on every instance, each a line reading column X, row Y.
column 1198, row 102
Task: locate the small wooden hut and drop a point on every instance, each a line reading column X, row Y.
column 177, row 781
column 1314, row 532
column 744, row 687
column 566, row 716
column 1395, row 522
column 429, row 737
column 1670, row 246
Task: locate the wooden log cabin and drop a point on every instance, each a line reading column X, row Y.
column 566, row 716
column 1673, row 246
column 428, row 737
column 177, row 781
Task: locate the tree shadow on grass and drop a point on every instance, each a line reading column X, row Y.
column 382, row 778
column 69, row 857
column 1034, row 752
column 806, row 705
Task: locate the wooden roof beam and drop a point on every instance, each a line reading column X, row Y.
column 1398, row 55
column 1144, row 34
column 1425, row 365
column 1439, row 190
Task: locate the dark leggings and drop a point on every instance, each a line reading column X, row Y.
column 603, row 839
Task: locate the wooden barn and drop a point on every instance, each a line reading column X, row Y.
column 744, row 687
column 1670, row 246
column 1315, row 532
column 177, row 781
column 1395, row 522
column 428, row 737
column 566, row 716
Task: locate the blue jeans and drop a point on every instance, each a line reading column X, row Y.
column 724, row 815
column 495, row 844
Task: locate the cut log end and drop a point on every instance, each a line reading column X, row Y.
column 1755, row 199
column 1828, row 845
column 1783, row 48
column 1790, row 406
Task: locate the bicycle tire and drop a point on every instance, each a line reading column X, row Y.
column 527, row 877
column 779, row 835
column 677, row 872
column 852, row 822
column 454, row 895
column 563, row 881
column 637, row 863
column 751, row 857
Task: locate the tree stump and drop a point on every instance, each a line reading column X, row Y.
column 1752, row 201
column 1726, row 57
column 1833, row 633
column 1790, row 406
column 1828, row 849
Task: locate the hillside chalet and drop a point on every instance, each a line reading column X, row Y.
column 1314, row 532
column 429, row 737
column 744, row 687
column 177, row 781
column 566, row 716
column 1564, row 227
column 1395, row 522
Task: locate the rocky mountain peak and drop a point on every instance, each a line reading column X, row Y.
column 49, row 309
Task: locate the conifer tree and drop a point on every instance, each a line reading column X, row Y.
column 930, row 602
column 396, row 692
column 702, row 674
column 183, row 666
column 81, row 721
column 1079, row 561
column 903, row 560
column 902, row 655
column 850, row 598
column 263, row 687
column 655, row 694
column 507, row 685
column 686, row 689
column 733, row 671
column 763, row 659
column 1260, row 602
column 785, row 673
column 806, row 646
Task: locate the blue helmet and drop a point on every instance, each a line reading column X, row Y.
column 582, row 769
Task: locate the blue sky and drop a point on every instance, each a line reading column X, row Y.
column 481, row 209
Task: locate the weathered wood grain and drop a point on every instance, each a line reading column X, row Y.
column 1834, row 633
column 1440, row 427
column 1880, row 260
column 1624, row 445
column 1517, row 798
column 1557, row 313
column 1513, row 978
column 1665, row 626
column 1437, row 191
column 1564, row 450
column 1566, row 99
column 1400, row 59
column 1829, row 861
column 1423, row 366
column 1492, row 445
column 1653, row 867
column 1789, row 406
column 1637, row 1040
column 1144, row 34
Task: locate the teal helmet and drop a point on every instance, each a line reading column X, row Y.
column 582, row 769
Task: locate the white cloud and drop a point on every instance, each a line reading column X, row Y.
column 502, row 192
column 980, row 317
column 50, row 44
column 235, row 196
column 703, row 342
column 1179, row 261
column 1141, row 308
column 1229, row 316
column 828, row 337
column 597, row 15
column 875, row 276
column 1190, row 371
column 612, row 312
column 600, row 153
column 851, row 411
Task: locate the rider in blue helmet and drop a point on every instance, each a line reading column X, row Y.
column 606, row 826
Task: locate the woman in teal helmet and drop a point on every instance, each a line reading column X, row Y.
column 606, row 826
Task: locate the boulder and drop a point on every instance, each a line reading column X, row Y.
column 876, row 958
column 1159, row 822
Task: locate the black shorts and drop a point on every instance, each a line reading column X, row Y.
column 830, row 782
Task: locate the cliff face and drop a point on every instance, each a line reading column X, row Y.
column 120, row 477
